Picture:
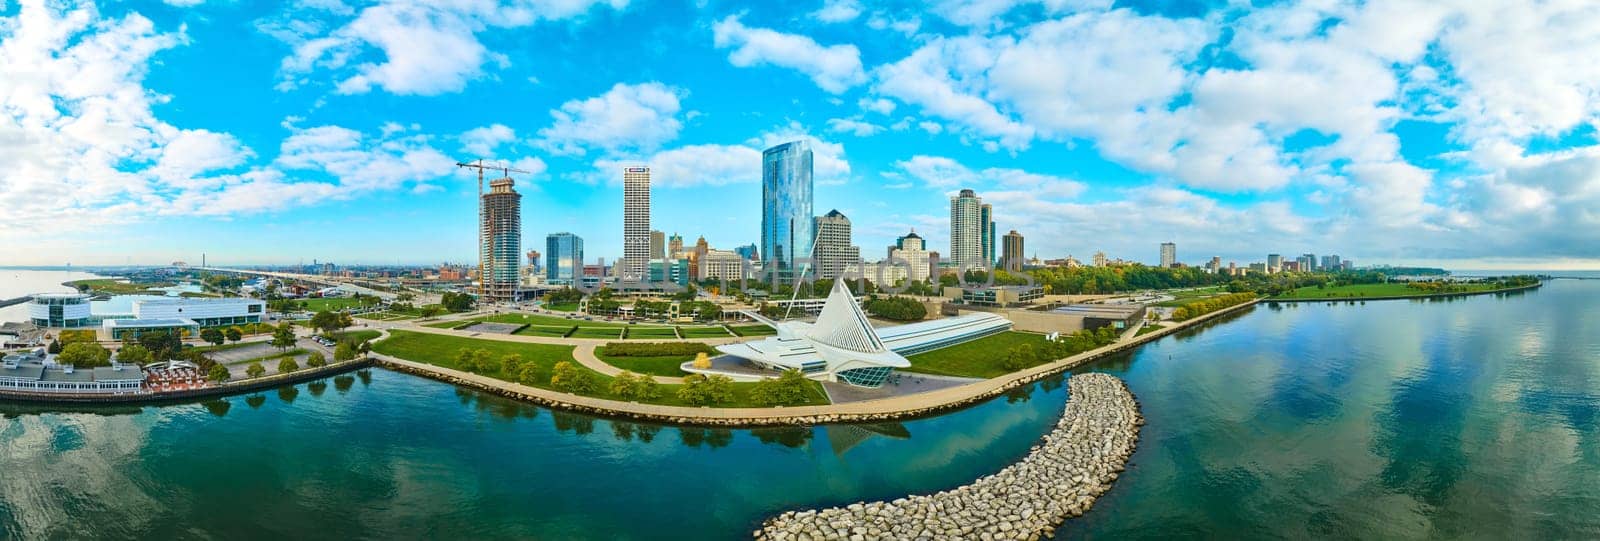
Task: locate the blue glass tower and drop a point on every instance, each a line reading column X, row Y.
column 786, row 219
column 563, row 258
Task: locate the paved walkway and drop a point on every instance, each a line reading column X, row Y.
column 584, row 354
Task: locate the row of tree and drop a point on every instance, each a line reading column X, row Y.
column 896, row 308
column 1208, row 305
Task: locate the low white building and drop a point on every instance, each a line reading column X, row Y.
column 184, row 313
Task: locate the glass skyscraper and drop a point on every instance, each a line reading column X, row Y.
column 501, row 240
column 563, row 258
column 786, row 218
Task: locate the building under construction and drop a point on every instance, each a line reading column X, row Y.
column 500, row 236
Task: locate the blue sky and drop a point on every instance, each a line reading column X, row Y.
column 1457, row 133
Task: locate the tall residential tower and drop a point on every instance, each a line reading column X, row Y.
column 500, row 234
column 786, row 219
column 1169, row 254
column 969, row 229
column 1012, row 257
column 635, row 224
column 834, row 251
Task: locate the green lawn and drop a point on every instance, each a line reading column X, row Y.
column 562, row 306
column 1150, row 328
column 1359, row 291
column 665, row 365
column 543, row 330
column 704, row 332
column 117, row 286
column 655, row 333
column 753, row 330
column 979, row 358
column 591, row 332
column 441, row 350
column 357, row 336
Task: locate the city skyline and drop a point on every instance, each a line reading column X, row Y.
column 352, row 135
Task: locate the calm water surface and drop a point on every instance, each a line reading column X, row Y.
column 1396, row 419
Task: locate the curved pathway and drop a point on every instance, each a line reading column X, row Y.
column 1059, row 479
column 585, row 355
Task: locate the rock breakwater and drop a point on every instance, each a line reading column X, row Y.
column 1059, row 479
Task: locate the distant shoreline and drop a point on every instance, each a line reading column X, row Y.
column 1403, row 297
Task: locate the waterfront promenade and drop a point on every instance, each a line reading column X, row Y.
column 896, row 407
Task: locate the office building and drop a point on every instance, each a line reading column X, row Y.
column 501, row 238
column 1330, row 263
column 635, row 223
column 563, row 256
column 1274, row 263
column 1169, row 255
column 658, row 245
column 968, row 230
column 720, row 265
column 60, row 310
column 833, row 248
column 986, row 225
column 1215, row 265
column 786, row 218
column 1012, row 258
column 675, row 247
column 670, row 270
column 749, row 251
column 1308, row 262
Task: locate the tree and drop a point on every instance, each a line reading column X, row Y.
column 316, row 359
column 233, row 334
column 162, row 345
column 456, row 302
column 431, row 310
column 218, row 373
column 529, row 374
column 213, row 336
column 283, row 336
column 631, row 386
column 464, row 360
column 55, row 347
column 702, row 390
column 325, row 321
column 510, row 364
column 344, row 352
column 568, row 377
column 287, row 365
column 133, row 354
column 346, row 320
column 788, row 389
column 896, row 308
column 255, row 370
column 1019, row 357
column 85, row 355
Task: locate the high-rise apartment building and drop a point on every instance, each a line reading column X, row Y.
column 635, row 223
column 563, row 258
column 500, row 236
column 786, row 218
column 986, row 225
column 1308, row 262
column 658, row 245
column 1011, row 255
column 915, row 253
column 833, row 249
column 968, row 229
column 1169, row 254
column 1274, row 262
column 1330, row 263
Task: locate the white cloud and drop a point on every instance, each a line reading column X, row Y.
column 482, row 141
column 942, row 78
column 361, row 164
column 626, row 118
column 854, row 126
column 427, row 48
column 876, row 105
column 692, row 165
column 945, row 173
column 178, row 3
column 834, row 68
column 837, row 11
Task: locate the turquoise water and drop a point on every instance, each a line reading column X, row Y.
column 1398, row 419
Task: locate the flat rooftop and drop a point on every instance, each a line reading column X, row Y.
column 153, row 322
column 199, row 300
column 1112, row 311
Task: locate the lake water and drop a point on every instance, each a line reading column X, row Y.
column 18, row 282
column 1476, row 417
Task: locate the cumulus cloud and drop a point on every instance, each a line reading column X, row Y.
column 427, row 48
column 626, row 118
column 723, row 164
column 837, row 11
column 854, row 126
column 833, row 68
column 948, row 174
column 483, row 140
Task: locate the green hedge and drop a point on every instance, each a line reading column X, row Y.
column 654, row 349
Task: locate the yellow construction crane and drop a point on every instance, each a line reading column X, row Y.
column 504, row 169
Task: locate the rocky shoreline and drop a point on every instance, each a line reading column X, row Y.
column 1059, row 479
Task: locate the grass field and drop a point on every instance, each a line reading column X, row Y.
column 543, row 330
column 116, row 286
column 665, row 365
column 562, row 306
column 358, row 336
column 441, row 350
column 1360, row 291
column 653, row 333
column 591, row 332
column 704, row 332
column 753, row 330
column 329, row 303
column 979, row 358
column 1150, row 328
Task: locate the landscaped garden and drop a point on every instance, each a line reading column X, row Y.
column 550, row 366
column 657, row 359
column 753, row 330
